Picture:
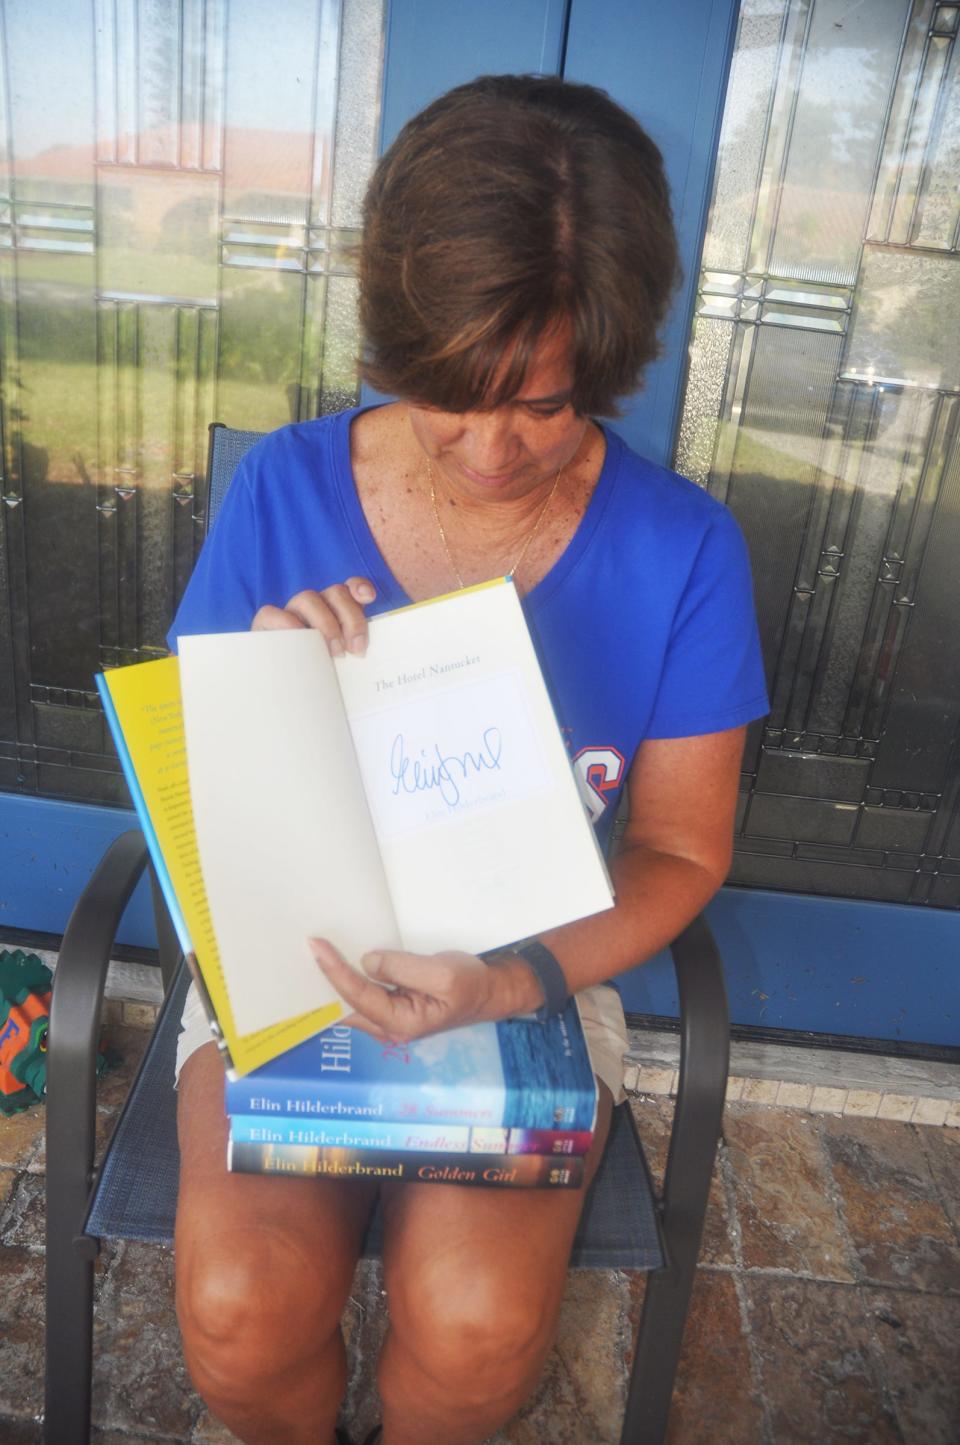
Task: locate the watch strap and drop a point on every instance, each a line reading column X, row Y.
column 549, row 973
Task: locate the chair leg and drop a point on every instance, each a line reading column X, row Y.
column 71, row 1119
column 666, row 1299
column 657, row 1354
column 69, row 1346
column 704, row 1063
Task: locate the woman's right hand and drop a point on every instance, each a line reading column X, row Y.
column 337, row 612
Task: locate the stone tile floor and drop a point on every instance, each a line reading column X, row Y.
column 827, row 1305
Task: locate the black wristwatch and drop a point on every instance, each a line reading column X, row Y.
column 547, row 970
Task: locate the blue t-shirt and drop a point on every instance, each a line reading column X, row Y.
column 644, row 626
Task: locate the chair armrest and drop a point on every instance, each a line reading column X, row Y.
column 77, row 1001
column 71, row 1118
column 704, row 1065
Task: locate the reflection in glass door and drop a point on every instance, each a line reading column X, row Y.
column 822, row 404
column 180, row 182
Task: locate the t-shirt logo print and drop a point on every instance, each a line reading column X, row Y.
column 599, row 771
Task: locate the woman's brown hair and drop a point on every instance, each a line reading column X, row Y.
column 511, row 204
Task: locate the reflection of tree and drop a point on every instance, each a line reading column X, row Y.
column 158, row 75
column 908, row 318
column 835, row 135
column 260, row 338
column 836, row 138
column 54, row 323
column 187, row 226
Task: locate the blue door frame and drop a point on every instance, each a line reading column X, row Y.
column 825, row 965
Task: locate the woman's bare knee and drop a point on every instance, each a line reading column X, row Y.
column 263, row 1265
column 251, row 1303
column 472, row 1339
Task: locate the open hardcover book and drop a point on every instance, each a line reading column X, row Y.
column 419, row 797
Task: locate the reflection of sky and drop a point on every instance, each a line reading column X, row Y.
column 838, row 80
column 52, row 66
column 840, row 106
column 271, row 65
column 847, row 67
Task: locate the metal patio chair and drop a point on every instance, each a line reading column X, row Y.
column 132, row 1195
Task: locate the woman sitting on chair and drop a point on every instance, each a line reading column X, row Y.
column 518, row 256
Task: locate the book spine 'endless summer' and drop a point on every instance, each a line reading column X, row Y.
column 529, row 1171
column 407, row 1138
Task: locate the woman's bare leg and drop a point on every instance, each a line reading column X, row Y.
column 475, row 1279
column 264, row 1268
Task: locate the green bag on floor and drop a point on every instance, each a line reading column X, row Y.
column 25, row 991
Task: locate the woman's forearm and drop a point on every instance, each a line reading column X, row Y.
column 657, row 895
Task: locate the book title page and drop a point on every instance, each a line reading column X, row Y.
column 482, row 833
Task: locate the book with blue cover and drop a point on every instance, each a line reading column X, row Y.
column 519, row 1073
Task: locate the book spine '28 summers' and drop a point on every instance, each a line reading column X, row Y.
column 529, row 1171
column 518, row 1073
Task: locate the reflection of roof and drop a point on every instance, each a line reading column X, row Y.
column 275, row 160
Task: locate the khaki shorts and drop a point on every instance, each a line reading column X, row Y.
column 600, row 1008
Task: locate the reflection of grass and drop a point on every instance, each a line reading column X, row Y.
column 252, row 406
column 259, row 341
column 60, row 408
column 59, row 404
column 60, row 401
column 778, row 456
column 69, row 281
column 781, row 457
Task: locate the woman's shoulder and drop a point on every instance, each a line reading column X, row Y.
column 653, row 500
column 303, row 444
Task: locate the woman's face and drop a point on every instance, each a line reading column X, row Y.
column 506, row 453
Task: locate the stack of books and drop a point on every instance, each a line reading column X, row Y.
column 417, row 798
column 505, row 1104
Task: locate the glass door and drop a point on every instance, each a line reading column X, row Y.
column 180, row 188
column 822, row 405
column 810, row 379
column 181, row 183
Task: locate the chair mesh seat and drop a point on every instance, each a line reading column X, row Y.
column 136, row 1194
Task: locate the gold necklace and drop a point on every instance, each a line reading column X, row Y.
column 511, row 572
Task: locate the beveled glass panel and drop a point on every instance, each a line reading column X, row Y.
column 938, row 200
column 906, row 324
column 272, row 145
column 158, row 233
column 753, row 76
column 849, row 56
column 823, row 404
column 180, row 186
column 258, row 382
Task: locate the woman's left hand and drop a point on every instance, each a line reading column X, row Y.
column 430, row 993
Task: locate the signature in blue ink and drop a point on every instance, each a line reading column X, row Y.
column 443, row 771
